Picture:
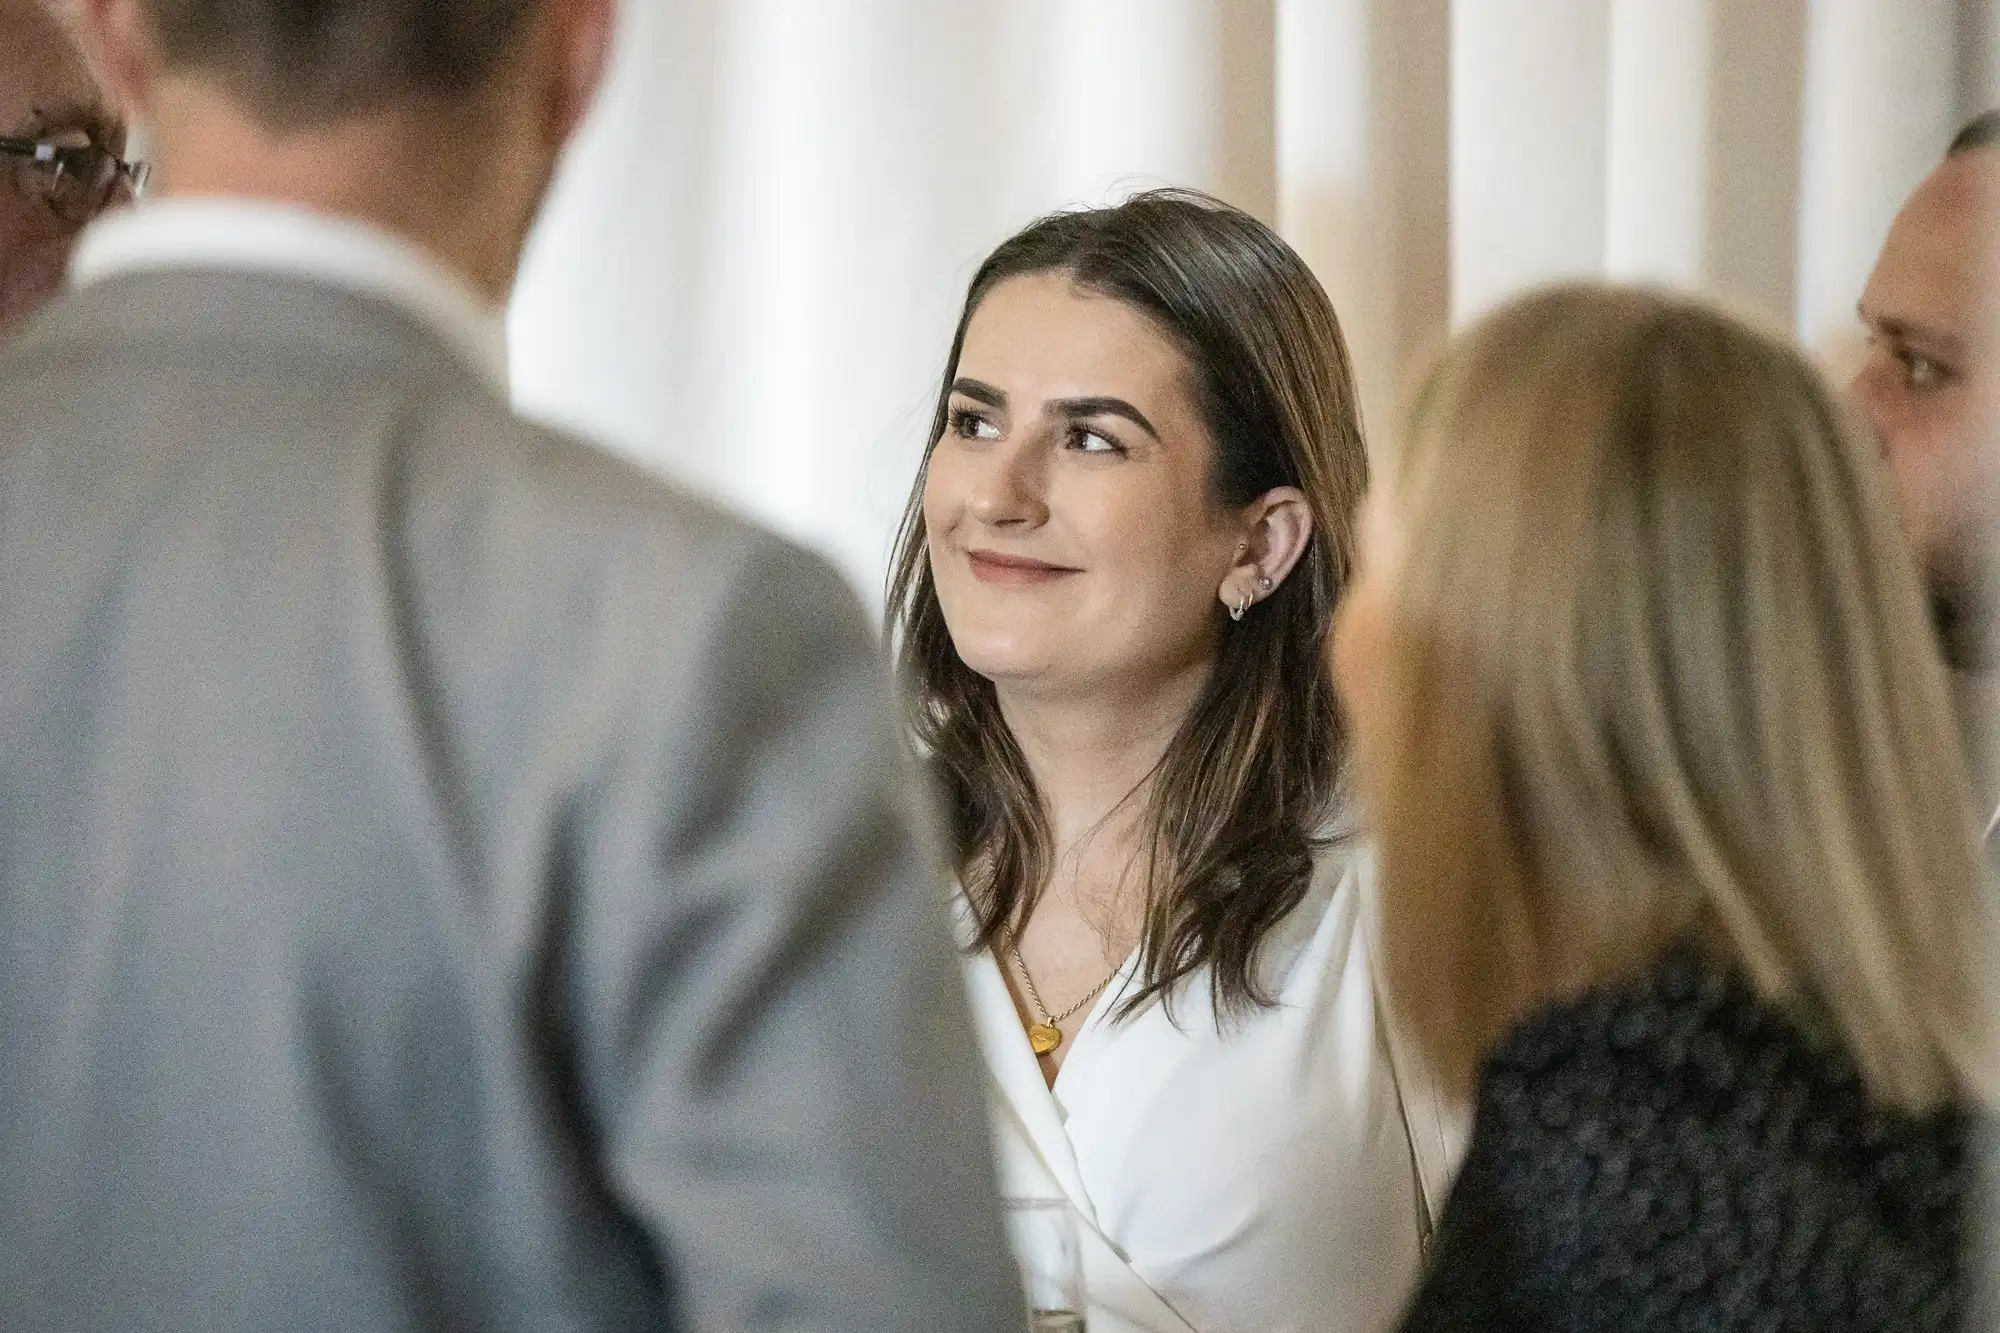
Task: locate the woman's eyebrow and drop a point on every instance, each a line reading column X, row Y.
column 1076, row 408
column 980, row 392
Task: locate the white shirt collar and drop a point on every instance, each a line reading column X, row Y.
column 262, row 236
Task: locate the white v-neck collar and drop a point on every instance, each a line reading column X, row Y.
column 1019, row 1076
column 1231, row 1178
column 1088, row 1032
column 1120, row 1297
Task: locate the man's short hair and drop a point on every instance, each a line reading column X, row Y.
column 299, row 63
column 1982, row 131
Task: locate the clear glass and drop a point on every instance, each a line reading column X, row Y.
column 1044, row 1238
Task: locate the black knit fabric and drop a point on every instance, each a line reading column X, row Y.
column 1677, row 1156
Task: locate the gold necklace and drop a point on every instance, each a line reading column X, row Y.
column 1045, row 1036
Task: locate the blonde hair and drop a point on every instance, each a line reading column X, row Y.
column 1661, row 670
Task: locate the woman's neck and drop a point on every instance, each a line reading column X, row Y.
column 1093, row 758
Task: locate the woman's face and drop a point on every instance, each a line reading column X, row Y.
column 1073, row 535
column 1361, row 633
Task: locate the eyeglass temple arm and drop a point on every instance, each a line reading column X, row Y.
column 41, row 150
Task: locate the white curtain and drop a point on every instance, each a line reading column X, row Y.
column 751, row 268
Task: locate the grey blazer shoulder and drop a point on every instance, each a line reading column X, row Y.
column 447, row 878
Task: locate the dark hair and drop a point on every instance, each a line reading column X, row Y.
column 1240, row 800
column 305, row 62
column 1982, row 131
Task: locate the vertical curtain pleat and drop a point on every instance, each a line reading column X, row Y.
column 1880, row 99
column 1364, row 175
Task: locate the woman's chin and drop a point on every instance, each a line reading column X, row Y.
column 1009, row 662
column 1008, row 670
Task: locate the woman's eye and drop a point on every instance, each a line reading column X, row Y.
column 1090, row 442
column 972, row 426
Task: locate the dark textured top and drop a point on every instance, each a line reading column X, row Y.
column 1679, row 1155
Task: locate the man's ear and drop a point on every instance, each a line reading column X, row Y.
column 117, row 44
column 583, row 32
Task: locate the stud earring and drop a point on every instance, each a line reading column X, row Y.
column 1264, row 583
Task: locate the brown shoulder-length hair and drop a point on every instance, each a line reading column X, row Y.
column 1657, row 668
column 1239, row 802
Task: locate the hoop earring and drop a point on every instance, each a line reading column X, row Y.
column 1241, row 609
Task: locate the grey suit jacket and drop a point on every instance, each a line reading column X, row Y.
column 447, row 879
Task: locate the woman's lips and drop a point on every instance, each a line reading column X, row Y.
column 994, row 567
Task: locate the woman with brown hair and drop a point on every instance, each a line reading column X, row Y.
column 1675, row 869
column 1111, row 597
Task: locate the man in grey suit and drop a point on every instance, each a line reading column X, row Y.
column 447, row 880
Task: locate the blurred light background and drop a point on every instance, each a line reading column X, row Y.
column 754, row 259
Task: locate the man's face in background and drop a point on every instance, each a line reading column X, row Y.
column 1931, row 384
column 46, row 92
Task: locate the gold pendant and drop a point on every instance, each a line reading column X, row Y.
column 1043, row 1038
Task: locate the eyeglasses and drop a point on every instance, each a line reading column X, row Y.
column 74, row 181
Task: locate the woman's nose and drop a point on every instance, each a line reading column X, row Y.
column 1011, row 488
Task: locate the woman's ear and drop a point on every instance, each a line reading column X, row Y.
column 1276, row 529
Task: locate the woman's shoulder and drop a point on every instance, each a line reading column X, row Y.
column 1680, row 1143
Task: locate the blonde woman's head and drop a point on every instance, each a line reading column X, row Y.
column 1638, row 656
